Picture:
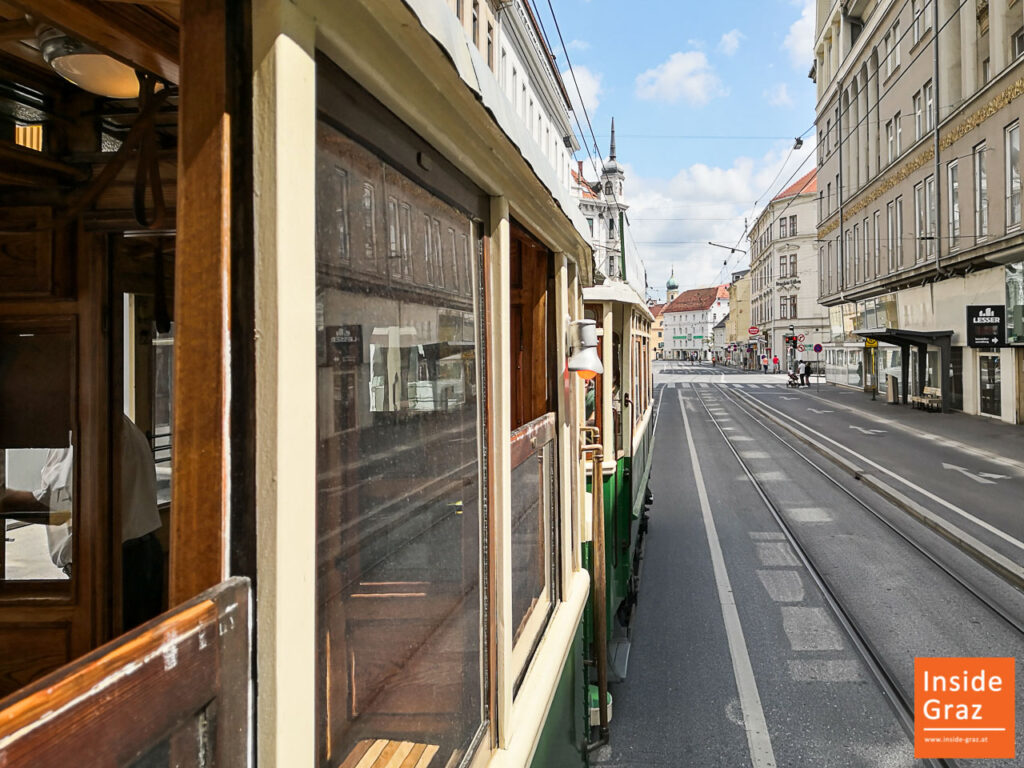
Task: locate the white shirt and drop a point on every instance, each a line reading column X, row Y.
column 136, row 500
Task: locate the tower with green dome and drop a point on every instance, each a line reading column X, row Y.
column 671, row 287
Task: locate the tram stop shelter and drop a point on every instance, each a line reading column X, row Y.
column 905, row 339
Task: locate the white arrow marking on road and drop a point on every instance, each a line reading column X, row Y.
column 983, row 478
column 789, row 398
column 815, row 410
column 994, row 477
column 868, row 431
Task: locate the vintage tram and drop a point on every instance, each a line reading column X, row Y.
column 308, row 251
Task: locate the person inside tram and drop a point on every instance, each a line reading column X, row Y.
column 135, row 498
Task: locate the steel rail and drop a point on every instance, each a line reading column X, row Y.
column 872, row 659
column 949, row 571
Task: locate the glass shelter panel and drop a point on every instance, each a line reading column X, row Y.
column 399, row 473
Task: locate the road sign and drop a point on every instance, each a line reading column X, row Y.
column 800, row 347
column 870, row 343
column 818, row 348
column 800, row 337
column 753, row 330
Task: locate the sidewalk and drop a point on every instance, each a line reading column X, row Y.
column 981, row 433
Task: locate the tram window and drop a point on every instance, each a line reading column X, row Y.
column 399, row 480
column 37, row 464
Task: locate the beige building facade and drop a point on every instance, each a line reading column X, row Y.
column 919, row 196
column 737, row 324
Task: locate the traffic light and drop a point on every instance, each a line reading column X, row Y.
column 790, row 340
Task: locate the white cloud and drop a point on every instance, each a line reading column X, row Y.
column 686, row 76
column 799, row 41
column 778, row 95
column 579, row 45
column 590, row 88
column 730, row 42
column 673, row 219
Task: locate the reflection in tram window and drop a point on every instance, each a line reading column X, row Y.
column 399, row 488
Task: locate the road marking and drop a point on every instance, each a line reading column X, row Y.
column 742, row 439
column 754, row 386
column 810, row 629
column 985, row 478
column 815, row 410
column 754, row 455
column 868, row 431
column 809, row 515
column 784, row 397
column 776, row 553
column 782, row 586
column 766, row 535
column 758, row 739
column 913, row 486
column 825, row 671
column 769, row 477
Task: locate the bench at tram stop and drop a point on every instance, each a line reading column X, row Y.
column 929, row 400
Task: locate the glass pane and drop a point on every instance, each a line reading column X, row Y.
column 37, row 466
column 398, row 473
column 531, row 537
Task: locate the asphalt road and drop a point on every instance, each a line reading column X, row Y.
column 688, row 699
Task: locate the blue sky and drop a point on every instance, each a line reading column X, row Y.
column 670, row 69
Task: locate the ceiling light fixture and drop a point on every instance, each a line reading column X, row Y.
column 86, row 67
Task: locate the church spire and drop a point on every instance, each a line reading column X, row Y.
column 611, row 156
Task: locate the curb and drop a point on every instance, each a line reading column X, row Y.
column 968, row 544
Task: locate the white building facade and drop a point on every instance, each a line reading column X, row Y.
column 690, row 319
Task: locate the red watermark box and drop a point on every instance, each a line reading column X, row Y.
column 964, row 708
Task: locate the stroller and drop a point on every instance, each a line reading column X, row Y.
column 793, row 380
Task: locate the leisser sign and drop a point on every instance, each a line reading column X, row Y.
column 986, row 325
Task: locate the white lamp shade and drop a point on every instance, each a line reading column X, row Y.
column 584, row 357
column 99, row 74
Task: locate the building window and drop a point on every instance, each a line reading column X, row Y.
column 820, row 198
column 476, row 23
column 890, row 140
column 980, row 193
column 792, row 226
column 931, row 215
column 490, row 45
column 1018, row 43
column 459, row 9
column 856, row 254
column 828, row 194
column 782, row 227
column 919, row 221
column 929, row 106
column 792, row 265
column 897, row 121
column 878, row 243
column 890, row 227
column 1013, row 176
column 953, row 183
column 899, row 232
column 918, row 116
column 783, row 266
column 922, row 19
column 986, row 70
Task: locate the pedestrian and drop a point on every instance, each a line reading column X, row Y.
column 802, row 370
column 764, row 362
column 775, row 362
column 807, row 372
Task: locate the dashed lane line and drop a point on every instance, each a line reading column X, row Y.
column 759, row 741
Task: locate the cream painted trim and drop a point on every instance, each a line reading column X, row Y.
column 566, row 442
column 537, row 692
column 284, row 110
column 626, row 368
column 641, row 428
column 499, row 429
column 607, row 350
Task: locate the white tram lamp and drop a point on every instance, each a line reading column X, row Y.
column 86, row 67
column 584, row 359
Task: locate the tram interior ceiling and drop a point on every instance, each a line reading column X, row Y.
column 88, row 185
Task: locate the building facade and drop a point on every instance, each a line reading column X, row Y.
column 738, row 341
column 784, row 275
column 603, row 205
column 919, row 197
column 690, row 319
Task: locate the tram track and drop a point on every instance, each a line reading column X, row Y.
column 874, row 660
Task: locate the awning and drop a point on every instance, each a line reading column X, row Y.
column 901, row 336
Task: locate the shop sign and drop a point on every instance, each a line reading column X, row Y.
column 345, row 343
column 753, row 330
column 986, row 326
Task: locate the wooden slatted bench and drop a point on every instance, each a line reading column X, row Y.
column 387, row 753
column 930, row 400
